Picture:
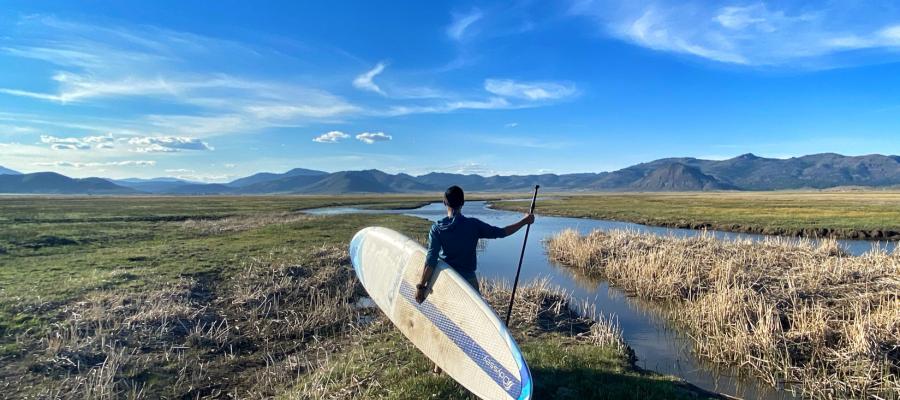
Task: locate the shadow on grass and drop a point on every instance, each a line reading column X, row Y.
column 562, row 368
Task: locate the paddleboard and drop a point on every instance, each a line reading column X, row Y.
column 454, row 326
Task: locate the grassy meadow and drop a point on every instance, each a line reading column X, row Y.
column 246, row 297
column 847, row 215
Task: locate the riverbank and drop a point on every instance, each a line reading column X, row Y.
column 804, row 315
column 855, row 215
column 245, row 297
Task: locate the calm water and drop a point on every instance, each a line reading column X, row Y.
column 656, row 345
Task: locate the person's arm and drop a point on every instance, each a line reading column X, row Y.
column 488, row 231
column 526, row 220
column 422, row 287
column 431, row 259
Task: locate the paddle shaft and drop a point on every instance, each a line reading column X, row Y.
column 521, row 257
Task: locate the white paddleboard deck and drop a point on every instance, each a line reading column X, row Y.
column 454, row 326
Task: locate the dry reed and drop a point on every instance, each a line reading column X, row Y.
column 798, row 312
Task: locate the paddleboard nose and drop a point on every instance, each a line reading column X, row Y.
column 355, row 249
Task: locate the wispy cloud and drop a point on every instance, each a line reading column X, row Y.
column 462, row 22
column 75, row 164
column 533, row 91
column 331, row 137
column 761, row 33
column 104, row 63
column 372, row 137
column 446, row 106
column 365, row 81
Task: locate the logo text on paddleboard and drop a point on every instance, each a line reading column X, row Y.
column 504, row 379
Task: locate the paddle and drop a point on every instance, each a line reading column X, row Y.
column 521, row 257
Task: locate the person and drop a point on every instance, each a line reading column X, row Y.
column 455, row 238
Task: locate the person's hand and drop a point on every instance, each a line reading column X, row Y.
column 529, row 219
column 421, row 293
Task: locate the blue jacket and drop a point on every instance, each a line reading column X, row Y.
column 454, row 240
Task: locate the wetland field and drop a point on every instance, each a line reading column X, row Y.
column 248, row 297
column 252, row 297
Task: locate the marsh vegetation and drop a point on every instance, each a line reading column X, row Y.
column 804, row 314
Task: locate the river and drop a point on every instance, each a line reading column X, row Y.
column 657, row 346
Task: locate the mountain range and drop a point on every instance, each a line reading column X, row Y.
column 745, row 172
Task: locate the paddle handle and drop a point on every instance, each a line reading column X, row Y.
column 512, row 297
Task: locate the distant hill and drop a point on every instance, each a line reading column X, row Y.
column 369, row 181
column 285, row 184
column 817, row 171
column 677, row 176
column 269, row 176
column 7, row 171
column 153, row 185
column 745, row 172
column 53, row 183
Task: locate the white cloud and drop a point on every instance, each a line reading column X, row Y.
column 762, row 33
column 531, row 91
column 372, row 137
column 68, row 146
column 180, row 171
column 462, row 22
column 473, row 168
column 331, row 137
column 167, row 144
column 511, row 125
column 73, row 164
column 365, row 81
column 98, row 139
column 194, row 177
column 57, row 143
column 230, row 165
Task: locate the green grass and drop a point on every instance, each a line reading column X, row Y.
column 840, row 214
column 58, row 253
column 562, row 368
column 57, row 249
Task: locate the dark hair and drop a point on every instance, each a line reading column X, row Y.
column 454, row 197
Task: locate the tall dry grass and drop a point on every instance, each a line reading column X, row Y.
column 802, row 313
column 248, row 334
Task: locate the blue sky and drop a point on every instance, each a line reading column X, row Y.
column 214, row 91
